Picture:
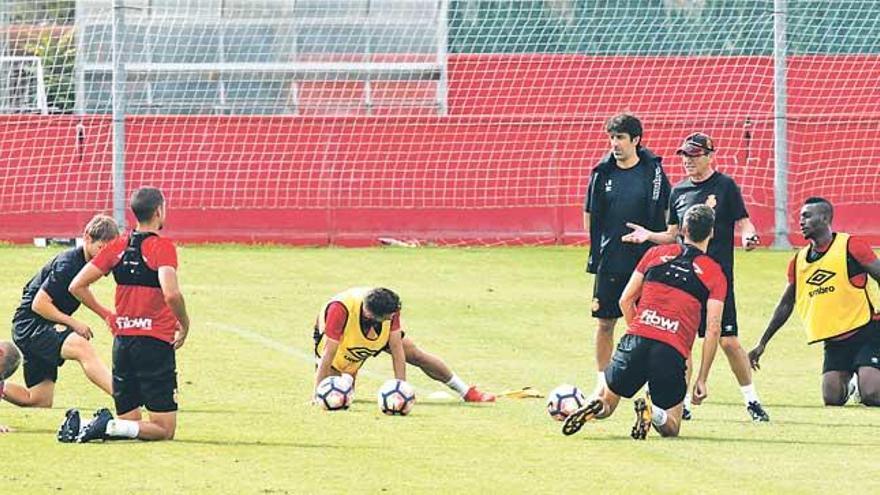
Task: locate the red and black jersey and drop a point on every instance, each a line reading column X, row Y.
column 336, row 318
column 135, row 260
column 679, row 280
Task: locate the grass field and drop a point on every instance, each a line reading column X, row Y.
column 502, row 318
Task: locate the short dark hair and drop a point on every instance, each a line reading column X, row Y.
column 624, row 123
column 826, row 205
column 145, row 201
column 102, row 228
column 10, row 358
column 699, row 220
column 382, row 301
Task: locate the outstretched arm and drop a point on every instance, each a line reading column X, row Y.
column 640, row 235
column 398, row 357
column 780, row 316
column 330, row 347
column 80, row 288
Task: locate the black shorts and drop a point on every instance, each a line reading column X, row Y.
column 607, row 289
column 729, row 325
column 638, row 360
column 144, row 374
column 861, row 349
column 40, row 344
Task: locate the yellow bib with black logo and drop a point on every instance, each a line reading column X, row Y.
column 355, row 347
column 829, row 304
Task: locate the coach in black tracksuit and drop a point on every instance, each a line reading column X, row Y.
column 627, row 186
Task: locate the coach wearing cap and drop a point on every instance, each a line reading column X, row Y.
column 705, row 185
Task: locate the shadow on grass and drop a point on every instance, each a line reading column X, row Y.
column 771, row 405
column 785, row 422
column 738, row 440
column 261, row 443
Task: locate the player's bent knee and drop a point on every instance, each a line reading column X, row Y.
column 871, row 399
column 415, row 357
column 669, row 431
column 730, row 344
column 835, row 401
column 77, row 348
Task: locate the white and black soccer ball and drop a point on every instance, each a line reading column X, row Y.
column 564, row 400
column 396, row 398
column 335, row 393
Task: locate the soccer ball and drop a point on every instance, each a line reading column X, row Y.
column 564, row 400
column 396, row 397
column 334, row 393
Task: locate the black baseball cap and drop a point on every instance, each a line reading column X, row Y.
column 696, row 144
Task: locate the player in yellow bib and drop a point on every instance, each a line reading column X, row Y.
column 828, row 286
column 363, row 322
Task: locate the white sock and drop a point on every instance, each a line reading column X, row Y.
column 687, row 401
column 658, row 416
column 749, row 393
column 852, row 391
column 457, row 384
column 123, row 428
column 600, row 383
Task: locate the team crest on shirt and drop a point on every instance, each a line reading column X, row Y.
column 711, row 201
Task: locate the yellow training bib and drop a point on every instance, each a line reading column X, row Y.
column 355, row 347
column 828, row 303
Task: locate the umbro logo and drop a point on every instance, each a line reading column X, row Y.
column 358, row 354
column 819, row 277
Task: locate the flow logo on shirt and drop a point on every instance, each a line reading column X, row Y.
column 126, row 323
column 651, row 318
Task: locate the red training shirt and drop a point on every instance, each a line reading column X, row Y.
column 336, row 317
column 137, row 304
column 669, row 314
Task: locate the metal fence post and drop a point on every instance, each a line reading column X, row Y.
column 780, row 127
column 118, row 96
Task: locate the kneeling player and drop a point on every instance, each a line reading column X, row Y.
column 44, row 327
column 829, row 288
column 671, row 287
column 10, row 358
column 360, row 323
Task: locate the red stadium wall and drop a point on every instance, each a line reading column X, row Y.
column 509, row 164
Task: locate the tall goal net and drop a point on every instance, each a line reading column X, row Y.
column 447, row 120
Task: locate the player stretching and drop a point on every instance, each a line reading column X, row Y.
column 43, row 326
column 671, row 287
column 360, row 323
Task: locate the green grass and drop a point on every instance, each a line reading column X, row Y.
column 501, row 317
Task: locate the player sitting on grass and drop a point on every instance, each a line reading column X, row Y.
column 672, row 286
column 10, row 358
column 360, row 323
